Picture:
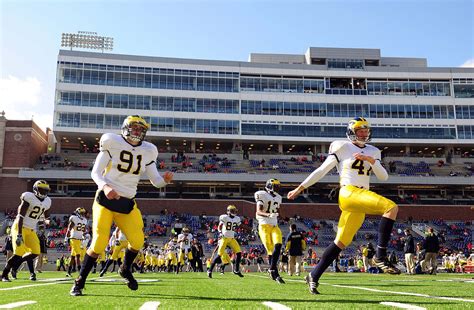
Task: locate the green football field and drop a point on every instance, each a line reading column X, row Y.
column 254, row 291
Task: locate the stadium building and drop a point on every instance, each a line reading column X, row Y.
column 273, row 116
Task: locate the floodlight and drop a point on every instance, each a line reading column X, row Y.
column 86, row 39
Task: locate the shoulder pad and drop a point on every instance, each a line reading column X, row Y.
column 337, row 145
column 107, row 140
column 222, row 217
column 260, row 195
column 27, row 196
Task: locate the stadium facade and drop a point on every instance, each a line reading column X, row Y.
column 273, row 105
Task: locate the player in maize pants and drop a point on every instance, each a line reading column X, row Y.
column 355, row 161
column 120, row 163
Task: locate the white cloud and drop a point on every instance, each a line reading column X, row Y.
column 21, row 99
column 469, row 63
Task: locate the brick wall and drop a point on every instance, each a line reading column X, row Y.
column 24, row 143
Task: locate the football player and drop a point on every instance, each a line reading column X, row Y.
column 171, row 258
column 74, row 235
column 184, row 240
column 355, row 161
column 24, row 238
column 268, row 206
column 117, row 169
column 228, row 223
column 120, row 243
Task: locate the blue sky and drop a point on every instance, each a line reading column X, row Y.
column 30, row 32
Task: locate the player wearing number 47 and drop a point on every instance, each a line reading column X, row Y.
column 24, row 237
column 355, row 160
column 117, row 170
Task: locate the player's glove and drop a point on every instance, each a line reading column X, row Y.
column 117, row 242
column 19, row 240
column 66, row 240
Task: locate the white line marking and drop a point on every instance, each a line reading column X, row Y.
column 49, row 283
column 403, row 306
column 379, row 291
column 402, row 293
column 150, row 305
column 17, row 304
column 26, row 286
column 275, row 305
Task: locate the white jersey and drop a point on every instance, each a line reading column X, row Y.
column 148, row 251
column 185, row 243
column 229, row 225
column 35, row 209
column 122, row 237
column 79, row 228
column 271, row 204
column 353, row 171
column 85, row 241
column 112, row 241
column 127, row 163
column 172, row 247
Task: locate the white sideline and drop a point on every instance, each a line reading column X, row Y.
column 379, row 291
column 275, row 305
column 150, row 305
column 402, row 306
column 17, row 304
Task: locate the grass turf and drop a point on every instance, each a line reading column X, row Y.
column 196, row 291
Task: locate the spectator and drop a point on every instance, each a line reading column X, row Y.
column 295, row 245
column 409, row 250
column 431, row 246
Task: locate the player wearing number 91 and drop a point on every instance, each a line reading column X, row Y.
column 228, row 224
column 24, row 238
column 355, row 160
column 120, row 163
column 268, row 207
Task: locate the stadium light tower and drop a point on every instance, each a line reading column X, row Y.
column 86, row 39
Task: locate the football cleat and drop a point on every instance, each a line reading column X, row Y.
column 76, row 289
column 5, row 279
column 276, row 276
column 33, row 276
column 129, row 279
column 238, row 273
column 386, row 266
column 312, row 285
column 209, row 274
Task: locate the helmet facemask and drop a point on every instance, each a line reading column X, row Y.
column 232, row 210
column 272, row 186
column 356, row 125
column 134, row 128
column 41, row 189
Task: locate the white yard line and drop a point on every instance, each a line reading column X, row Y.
column 17, row 304
column 380, row 291
column 41, row 284
column 402, row 306
column 275, row 305
column 402, row 293
column 26, row 286
column 150, row 305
